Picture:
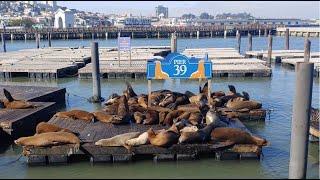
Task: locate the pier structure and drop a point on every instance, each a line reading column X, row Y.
column 137, row 32
column 299, row 31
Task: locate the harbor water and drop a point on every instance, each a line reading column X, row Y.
column 276, row 94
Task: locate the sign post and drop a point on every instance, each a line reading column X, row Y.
column 124, row 44
column 178, row 66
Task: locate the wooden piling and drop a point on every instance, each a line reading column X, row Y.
column 286, row 39
column 250, row 42
column 269, row 50
column 238, row 42
column 307, row 45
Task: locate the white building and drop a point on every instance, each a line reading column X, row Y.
column 64, row 18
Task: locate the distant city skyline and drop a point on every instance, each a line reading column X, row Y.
column 260, row 9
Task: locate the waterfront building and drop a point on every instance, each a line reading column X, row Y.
column 64, row 18
column 133, row 21
column 162, row 12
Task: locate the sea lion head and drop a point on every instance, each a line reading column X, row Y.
column 112, row 99
column 260, row 141
column 232, row 89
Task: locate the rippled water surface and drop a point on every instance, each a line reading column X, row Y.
column 276, row 93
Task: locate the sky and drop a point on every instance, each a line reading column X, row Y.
column 260, row 9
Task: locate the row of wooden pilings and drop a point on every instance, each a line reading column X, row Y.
column 112, row 35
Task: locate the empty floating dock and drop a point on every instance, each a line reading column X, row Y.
column 89, row 133
column 15, row 123
column 279, row 55
column 291, row 62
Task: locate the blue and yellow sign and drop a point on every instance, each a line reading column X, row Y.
column 178, row 66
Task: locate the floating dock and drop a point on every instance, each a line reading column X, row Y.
column 92, row 132
column 278, row 55
column 291, row 63
column 15, row 123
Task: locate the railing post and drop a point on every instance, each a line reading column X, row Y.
column 250, row 42
column 238, row 42
column 286, row 39
column 307, row 45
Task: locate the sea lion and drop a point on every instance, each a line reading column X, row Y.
column 76, row 114
column 132, row 100
column 162, row 116
column 195, row 118
column 200, row 136
column 152, row 117
column 48, row 139
column 11, row 103
column 2, row 106
column 118, row 140
column 189, row 94
column 180, row 100
column 169, row 98
column 184, row 115
column 140, row 140
column 138, row 117
column 212, row 117
column 129, row 92
column 198, row 98
column 237, row 136
column 143, row 100
column 189, row 107
column 44, row 127
column 107, row 118
column 172, row 115
column 112, row 99
column 164, row 138
column 123, row 109
column 237, row 105
column 112, row 109
column 189, row 129
column 156, row 98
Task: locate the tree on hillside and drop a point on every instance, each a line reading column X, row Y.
column 188, row 16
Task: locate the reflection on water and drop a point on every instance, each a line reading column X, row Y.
column 275, row 92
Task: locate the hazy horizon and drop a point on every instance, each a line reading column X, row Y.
column 259, row 9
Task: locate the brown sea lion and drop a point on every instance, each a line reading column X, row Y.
column 164, row 138
column 200, row 136
column 170, row 116
column 129, row 92
column 123, row 109
column 112, row 99
column 195, row 118
column 138, row 117
column 198, row 98
column 107, row 118
column 48, row 139
column 143, row 100
column 189, row 107
column 184, row 115
column 112, row 109
column 118, row 140
column 132, row 100
column 156, row 98
column 11, row 103
column 152, row 117
column 162, row 116
column 44, row 127
column 180, row 100
column 237, row 105
column 237, row 136
column 76, row 114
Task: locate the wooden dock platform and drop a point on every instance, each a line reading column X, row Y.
column 279, row 55
column 92, row 132
column 291, row 63
column 15, row 123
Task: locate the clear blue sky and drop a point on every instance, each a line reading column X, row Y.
column 269, row 9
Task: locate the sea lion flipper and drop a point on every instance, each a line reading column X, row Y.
column 8, row 95
column 246, row 95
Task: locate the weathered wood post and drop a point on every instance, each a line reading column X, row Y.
column 173, row 43
column 92, row 36
column 300, row 119
column 3, row 39
column 250, row 42
column 307, row 44
column 225, row 34
column 158, row 35
column 11, row 37
column 198, row 34
column 49, row 39
column 25, row 36
column 286, row 39
column 95, row 73
column 259, row 32
column 106, row 35
column 238, row 42
column 37, row 40
column 269, row 50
